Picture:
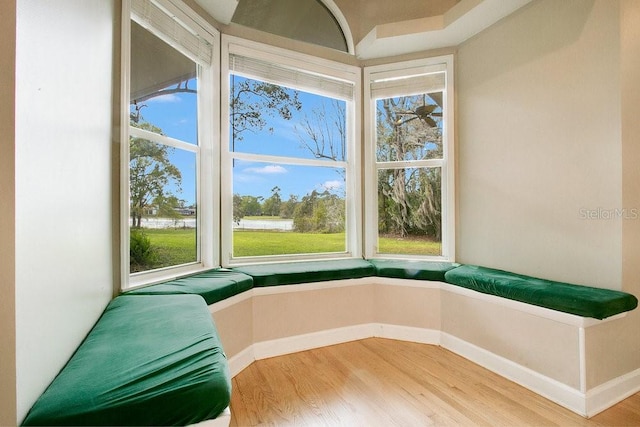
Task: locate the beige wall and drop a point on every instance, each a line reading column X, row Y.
column 235, row 326
column 614, row 350
column 63, row 207
column 538, row 98
column 297, row 313
column 540, row 344
column 7, row 214
column 547, row 126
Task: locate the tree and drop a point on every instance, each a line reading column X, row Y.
column 251, row 100
column 324, row 132
column 287, row 208
column 150, row 174
column 319, row 213
column 409, row 199
column 271, row 206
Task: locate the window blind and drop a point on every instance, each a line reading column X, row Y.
column 425, row 83
column 290, row 77
column 171, row 30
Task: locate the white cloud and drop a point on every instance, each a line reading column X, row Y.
column 167, row 98
column 267, row 170
column 331, row 185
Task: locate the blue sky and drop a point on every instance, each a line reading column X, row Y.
column 176, row 115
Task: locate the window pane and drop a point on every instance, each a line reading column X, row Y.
column 163, row 87
column 275, row 120
column 162, row 205
column 409, row 211
column 283, row 209
column 409, row 128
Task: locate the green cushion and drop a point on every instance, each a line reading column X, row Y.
column 213, row 285
column 575, row 299
column 149, row 360
column 304, row 272
column 406, row 269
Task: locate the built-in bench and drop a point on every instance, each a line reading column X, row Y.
column 149, row 360
column 155, row 357
column 580, row 300
column 212, row 285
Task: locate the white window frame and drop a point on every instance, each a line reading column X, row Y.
column 319, row 67
column 207, row 197
column 396, row 72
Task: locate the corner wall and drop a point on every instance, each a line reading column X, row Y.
column 615, row 351
column 63, row 176
column 539, row 145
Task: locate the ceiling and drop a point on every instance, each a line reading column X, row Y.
column 372, row 28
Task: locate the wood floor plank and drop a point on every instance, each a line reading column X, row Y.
column 395, row 383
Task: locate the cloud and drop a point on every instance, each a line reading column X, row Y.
column 267, row 170
column 331, row 185
column 167, row 98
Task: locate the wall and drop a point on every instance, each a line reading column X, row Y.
column 615, row 351
column 63, row 249
column 539, row 145
column 7, row 213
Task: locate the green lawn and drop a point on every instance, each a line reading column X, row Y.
column 173, row 246
column 178, row 246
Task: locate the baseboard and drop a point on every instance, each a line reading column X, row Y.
column 240, row 361
column 587, row 405
column 407, row 333
column 551, row 389
column 278, row 347
column 608, row 394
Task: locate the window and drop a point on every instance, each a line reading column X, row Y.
column 409, row 160
column 169, row 182
column 290, row 167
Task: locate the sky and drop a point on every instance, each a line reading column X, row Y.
column 176, row 115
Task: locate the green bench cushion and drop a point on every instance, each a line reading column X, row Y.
column 575, row 299
column 213, row 285
column 149, row 360
column 406, row 269
column 304, row 272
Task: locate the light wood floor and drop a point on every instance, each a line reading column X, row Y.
column 380, row 382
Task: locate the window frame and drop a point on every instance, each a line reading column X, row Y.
column 307, row 64
column 396, row 72
column 207, row 182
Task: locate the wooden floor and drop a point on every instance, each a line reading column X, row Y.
column 380, row 382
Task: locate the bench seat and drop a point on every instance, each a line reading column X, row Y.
column 569, row 298
column 149, row 360
column 408, row 269
column 291, row 273
column 212, row 285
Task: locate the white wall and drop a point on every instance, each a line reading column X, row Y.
column 63, row 179
column 539, row 142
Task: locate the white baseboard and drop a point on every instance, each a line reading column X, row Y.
column 240, row 361
column 608, row 394
column 587, row 405
column 278, row 347
column 407, row 333
column 551, row 389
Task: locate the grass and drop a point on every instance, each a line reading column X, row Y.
column 408, row 246
column 173, row 246
column 178, row 246
column 257, row 243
